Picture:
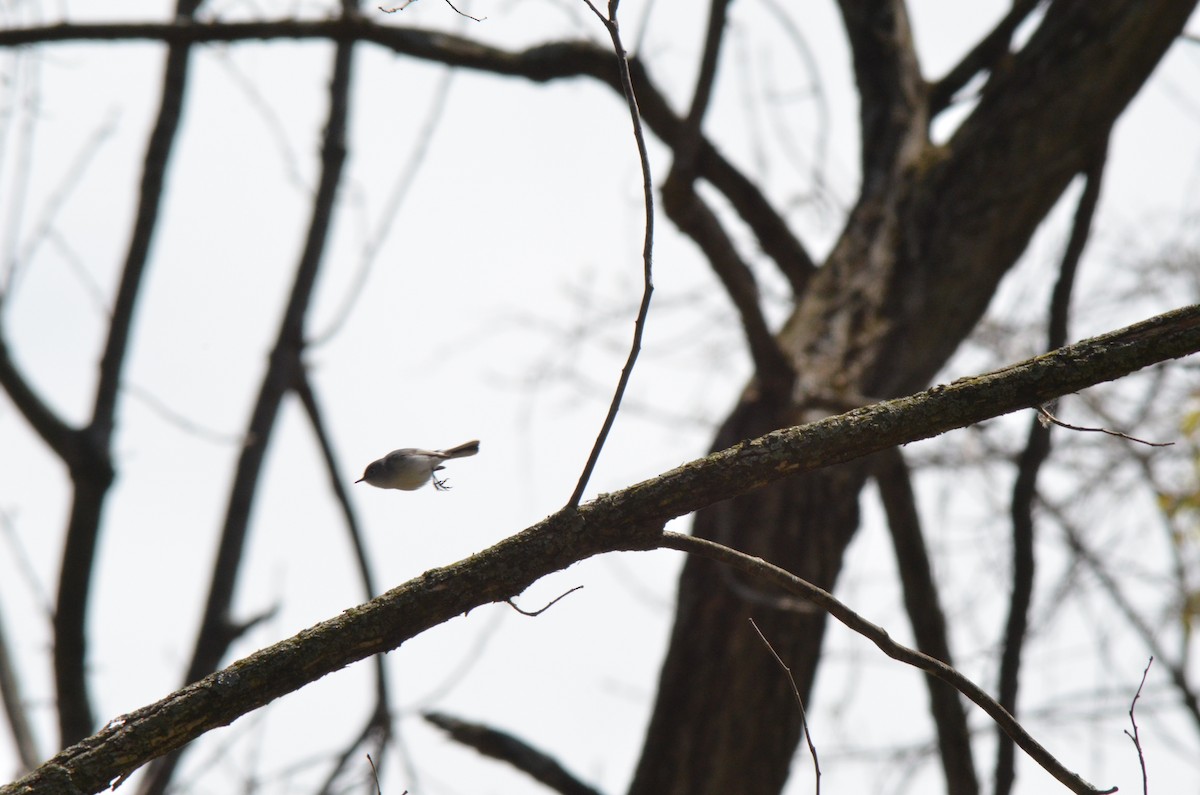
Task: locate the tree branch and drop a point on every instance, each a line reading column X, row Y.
column 542, row 63
column 924, row 610
column 985, row 55
column 58, row 435
column 879, row 636
column 516, row 752
column 694, row 218
column 630, row 519
column 92, row 469
column 639, row 323
column 684, row 206
column 891, row 89
column 1037, row 450
column 378, row 728
column 16, row 707
column 284, row 373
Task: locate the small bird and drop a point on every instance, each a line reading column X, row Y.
column 410, row 468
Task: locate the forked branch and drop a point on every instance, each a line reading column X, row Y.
column 630, row 519
column 879, row 636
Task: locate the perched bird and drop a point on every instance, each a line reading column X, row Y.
column 411, row 468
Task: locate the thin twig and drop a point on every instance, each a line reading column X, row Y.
column 1176, row 669
column 377, row 730
column 626, row 520
column 1029, row 465
column 553, row 602
column 396, row 199
column 1047, row 417
column 375, row 774
column 407, row 3
column 463, row 13
column 879, row 636
column 1135, row 736
column 17, row 708
column 812, row 749
column 639, row 325
column 696, row 219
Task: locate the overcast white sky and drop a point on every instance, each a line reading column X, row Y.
column 498, row 307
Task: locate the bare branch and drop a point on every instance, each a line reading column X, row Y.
column 890, row 87
column 549, row 605
column 1037, row 450
column 15, row 706
column 407, row 3
column 284, row 372
column 516, row 752
column 812, row 749
column 378, row 727
column 1047, row 418
column 879, row 636
column 541, row 64
column 92, row 469
column 695, row 219
column 924, row 610
column 57, row 434
column 1136, row 736
column 625, row 520
column 375, row 775
column 639, row 324
column 985, row 55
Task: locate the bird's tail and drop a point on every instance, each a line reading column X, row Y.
column 463, row 450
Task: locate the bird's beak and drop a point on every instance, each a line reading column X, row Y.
column 360, row 480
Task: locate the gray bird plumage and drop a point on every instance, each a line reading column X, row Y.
column 411, row 468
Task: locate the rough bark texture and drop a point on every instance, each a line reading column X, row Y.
column 935, row 229
column 630, row 519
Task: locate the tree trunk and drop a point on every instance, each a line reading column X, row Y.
column 934, row 231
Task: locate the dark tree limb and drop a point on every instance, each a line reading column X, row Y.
column 879, row 636
column 375, row 733
column 513, row 750
column 1177, row 667
column 696, row 220
column 991, row 50
column 16, row 707
column 91, row 466
column 630, row 519
column 285, row 372
column 58, row 435
column 924, row 610
column 378, row 729
column 1037, row 450
column 892, row 104
column 543, row 63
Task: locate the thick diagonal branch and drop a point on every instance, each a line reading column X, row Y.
column 625, row 520
column 218, row 629
column 92, row 469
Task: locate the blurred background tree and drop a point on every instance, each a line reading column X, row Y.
column 841, row 270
